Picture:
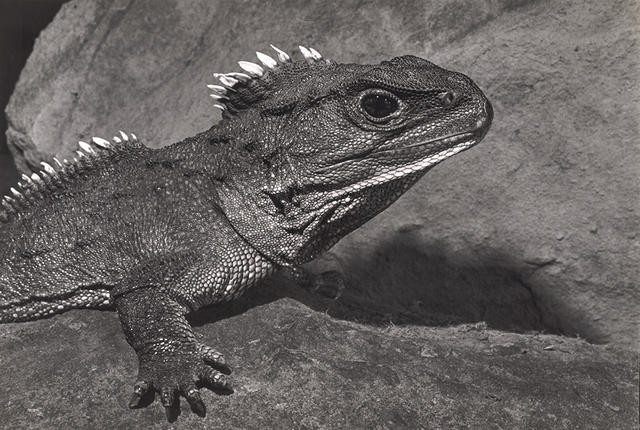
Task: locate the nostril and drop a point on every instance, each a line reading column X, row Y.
column 447, row 98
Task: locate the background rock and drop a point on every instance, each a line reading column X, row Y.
column 299, row 368
column 535, row 228
column 20, row 23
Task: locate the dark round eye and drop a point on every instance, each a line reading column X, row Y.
column 379, row 105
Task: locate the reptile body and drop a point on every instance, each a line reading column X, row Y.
column 306, row 152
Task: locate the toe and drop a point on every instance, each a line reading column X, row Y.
column 192, row 395
column 215, row 379
column 168, row 396
column 214, row 358
column 170, row 401
column 139, row 390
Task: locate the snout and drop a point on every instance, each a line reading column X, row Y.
column 484, row 120
column 488, row 110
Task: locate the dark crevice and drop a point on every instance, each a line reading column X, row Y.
column 21, row 21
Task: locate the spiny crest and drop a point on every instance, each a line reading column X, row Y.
column 239, row 90
column 33, row 188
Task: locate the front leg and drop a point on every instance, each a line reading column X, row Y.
column 171, row 361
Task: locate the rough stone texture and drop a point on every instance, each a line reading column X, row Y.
column 20, row 23
column 533, row 230
column 295, row 367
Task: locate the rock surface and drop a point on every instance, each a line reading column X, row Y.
column 534, row 229
column 295, row 367
column 20, row 23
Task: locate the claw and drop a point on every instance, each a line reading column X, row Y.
column 139, row 390
column 172, row 413
column 134, row 401
column 216, row 379
column 195, row 401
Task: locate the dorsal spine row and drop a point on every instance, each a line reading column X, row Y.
column 34, row 187
column 252, row 71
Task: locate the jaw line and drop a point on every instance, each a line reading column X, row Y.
column 416, row 166
column 450, row 139
column 446, row 139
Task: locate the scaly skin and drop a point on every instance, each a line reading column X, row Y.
column 306, row 152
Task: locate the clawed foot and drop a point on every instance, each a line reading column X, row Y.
column 172, row 369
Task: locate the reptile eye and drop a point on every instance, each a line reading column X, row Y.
column 379, row 105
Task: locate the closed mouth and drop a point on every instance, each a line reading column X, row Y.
column 441, row 145
column 449, row 148
column 441, row 142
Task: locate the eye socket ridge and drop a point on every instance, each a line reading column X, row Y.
column 379, row 105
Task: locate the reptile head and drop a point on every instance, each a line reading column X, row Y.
column 337, row 143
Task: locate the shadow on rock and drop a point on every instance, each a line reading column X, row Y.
column 405, row 281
